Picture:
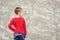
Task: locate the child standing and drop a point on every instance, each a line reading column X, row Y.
column 18, row 25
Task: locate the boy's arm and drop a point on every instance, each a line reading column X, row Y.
column 25, row 27
column 10, row 25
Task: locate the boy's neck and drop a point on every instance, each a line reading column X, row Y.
column 18, row 16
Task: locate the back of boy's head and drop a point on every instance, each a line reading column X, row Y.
column 18, row 9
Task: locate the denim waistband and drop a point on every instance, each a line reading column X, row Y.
column 18, row 34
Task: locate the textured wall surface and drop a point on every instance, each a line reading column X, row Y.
column 42, row 18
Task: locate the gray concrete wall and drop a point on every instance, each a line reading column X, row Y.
column 42, row 18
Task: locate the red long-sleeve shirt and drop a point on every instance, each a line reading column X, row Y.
column 19, row 25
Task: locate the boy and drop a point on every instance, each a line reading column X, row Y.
column 18, row 25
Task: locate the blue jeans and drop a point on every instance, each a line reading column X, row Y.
column 18, row 36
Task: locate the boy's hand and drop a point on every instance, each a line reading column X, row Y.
column 24, row 36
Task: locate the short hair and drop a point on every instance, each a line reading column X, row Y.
column 18, row 9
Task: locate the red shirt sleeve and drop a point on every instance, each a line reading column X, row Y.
column 10, row 25
column 25, row 27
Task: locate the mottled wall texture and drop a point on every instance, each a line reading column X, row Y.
column 42, row 18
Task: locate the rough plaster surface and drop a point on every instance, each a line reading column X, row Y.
column 42, row 18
